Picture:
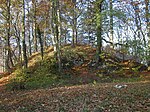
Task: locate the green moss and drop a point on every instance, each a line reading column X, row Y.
column 135, row 79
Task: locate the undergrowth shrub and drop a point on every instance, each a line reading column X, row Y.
column 45, row 73
column 17, row 84
column 18, row 80
column 72, row 57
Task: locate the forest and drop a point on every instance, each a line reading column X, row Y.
column 74, row 55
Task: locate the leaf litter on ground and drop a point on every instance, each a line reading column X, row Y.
column 80, row 98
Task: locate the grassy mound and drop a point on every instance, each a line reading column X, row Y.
column 44, row 73
column 79, row 67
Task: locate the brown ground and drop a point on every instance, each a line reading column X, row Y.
column 82, row 98
column 96, row 97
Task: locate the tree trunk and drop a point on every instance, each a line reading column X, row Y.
column 23, row 39
column 99, row 29
column 111, row 23
column 4, row 59
column 45, row 43
column 8, row 47
column 137, row 34
column 73, row 37
column 52, row 15
column 40, row 41
column 148, row 28
column 74, row 25
column 29, row 33
column 57, row 33
column 19, row 47
column 35, row 27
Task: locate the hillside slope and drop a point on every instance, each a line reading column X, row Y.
column 83, row 86
column 79, row 67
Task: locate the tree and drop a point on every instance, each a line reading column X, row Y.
column 40, row 41
column 56, row 22
column 99, row 28
column 34, row 2
column 74, row 24
column 8, row 47
column 24, row 36
column 111, row 21
column 29, row 31
column 148, row 26
column 55, row 30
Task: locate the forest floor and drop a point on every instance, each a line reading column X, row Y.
column 84, row 89
column 96, row 97
column 100, row 97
